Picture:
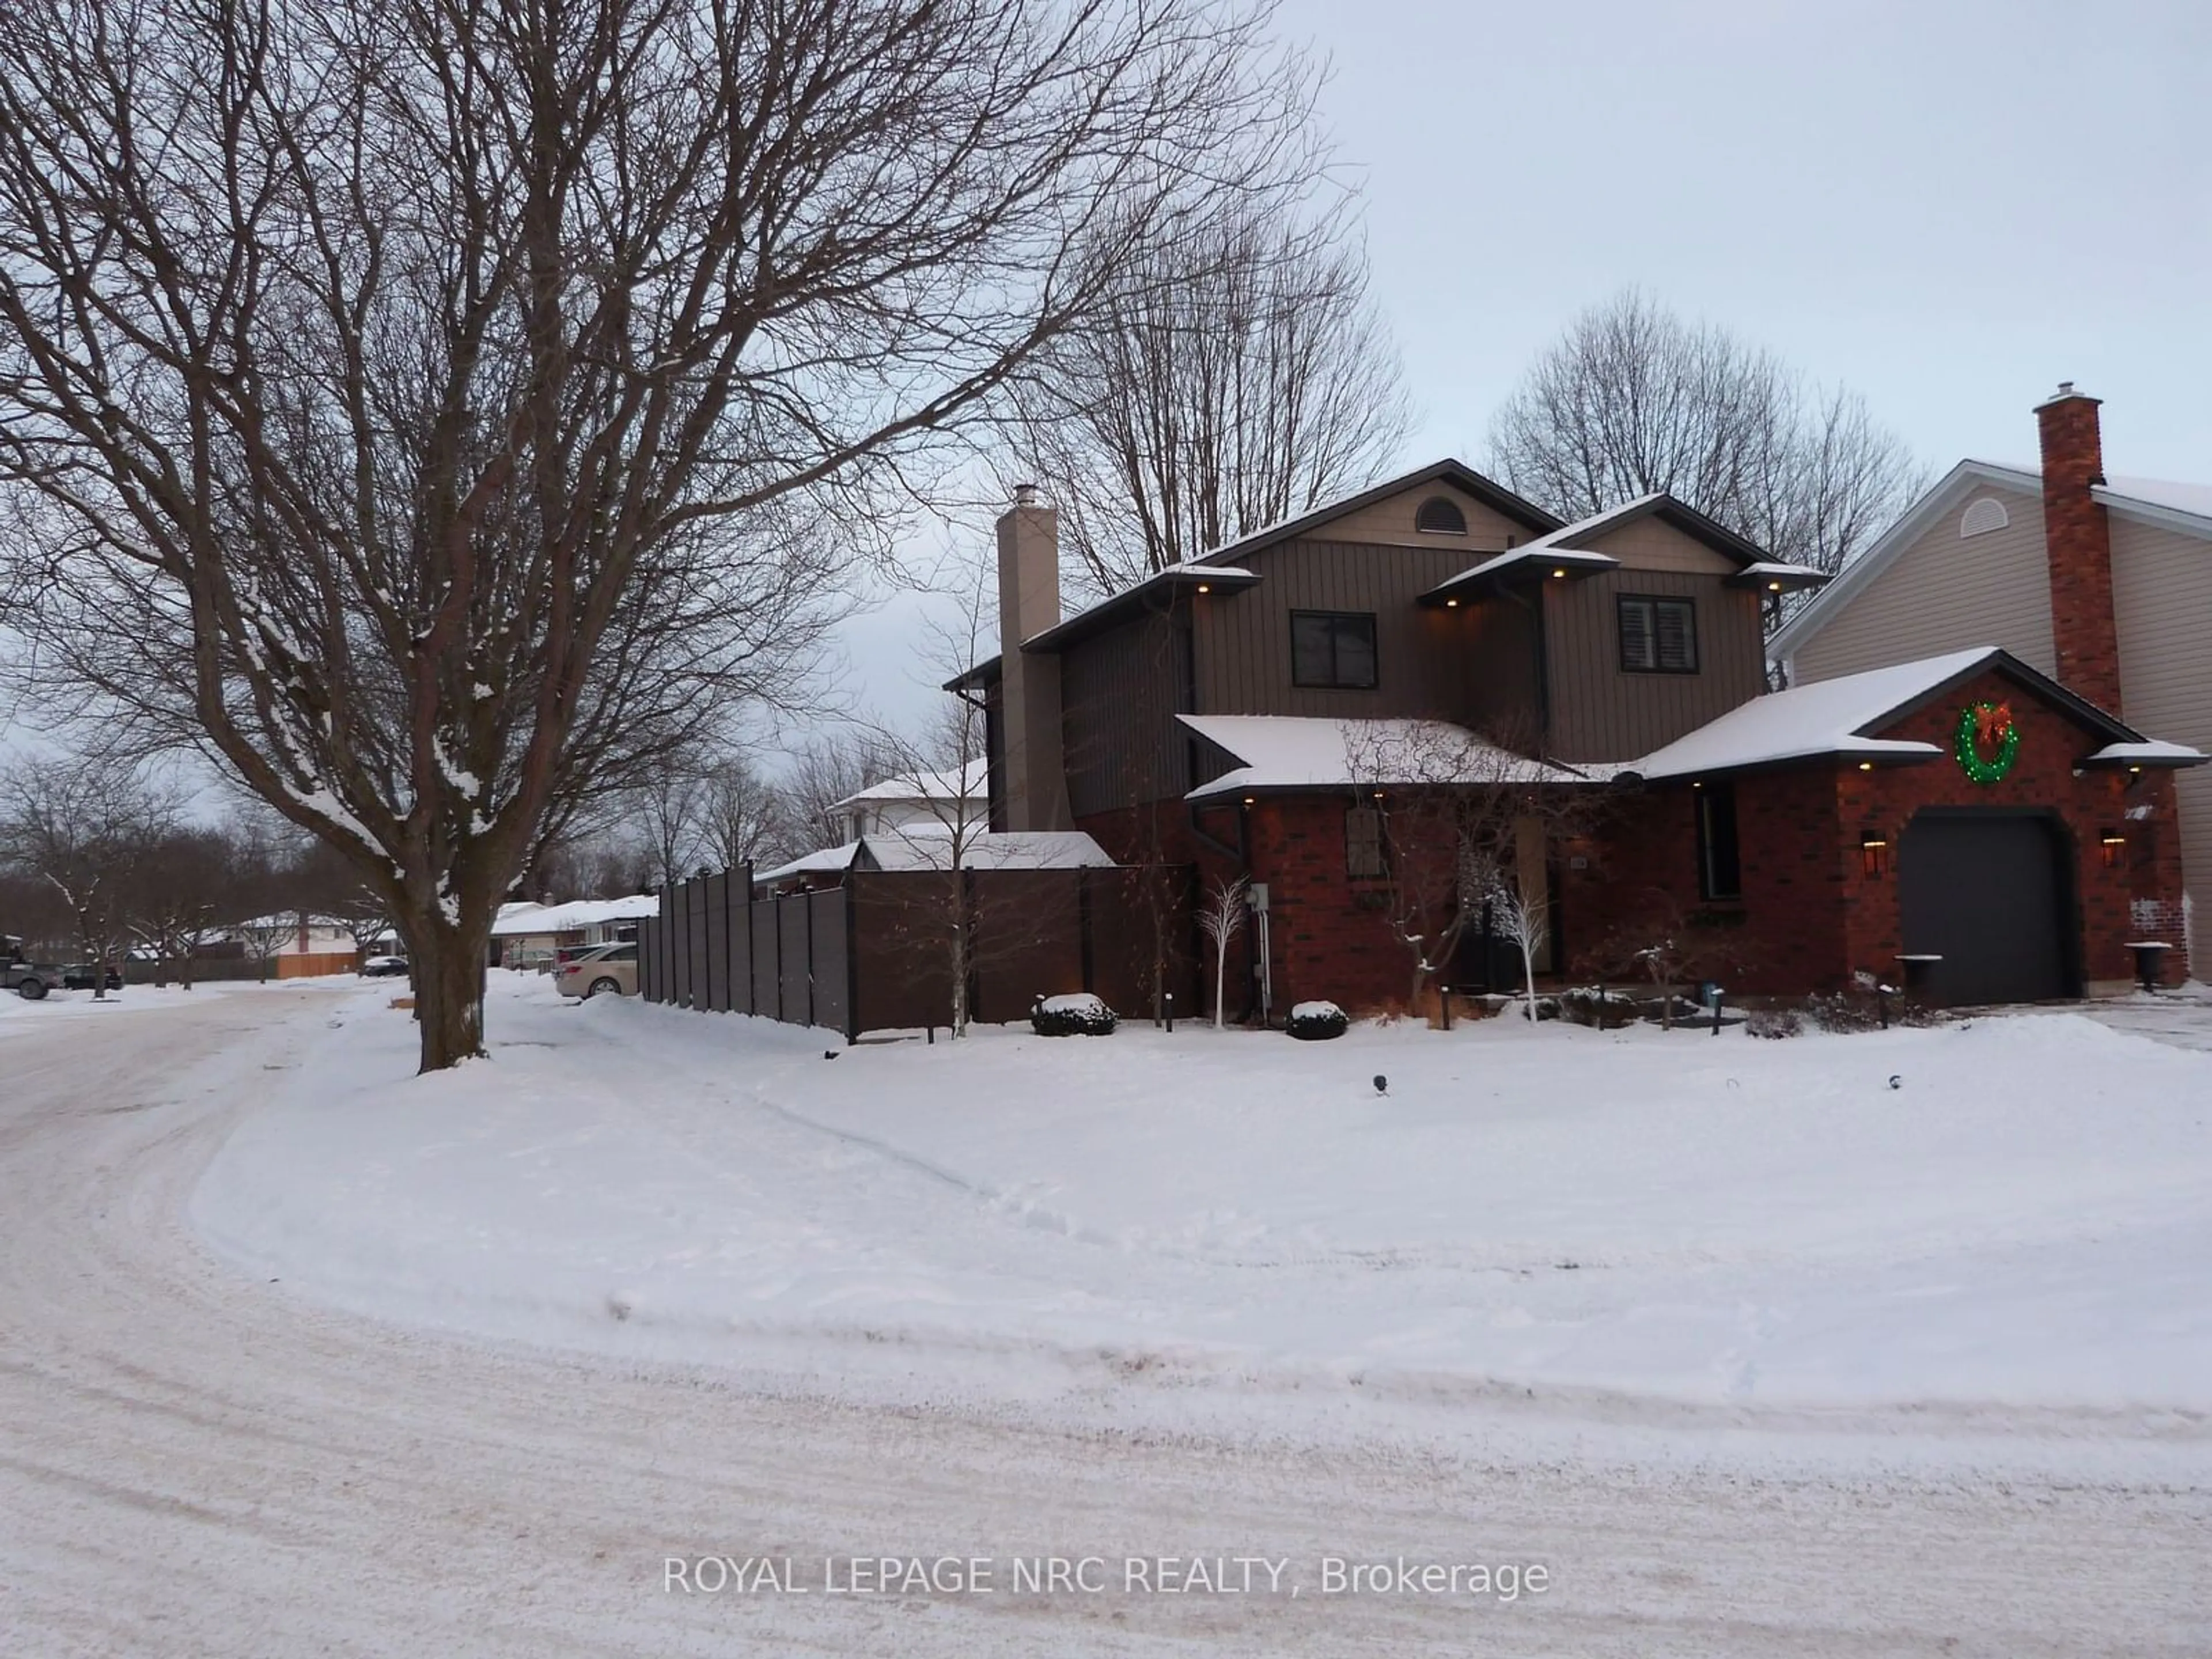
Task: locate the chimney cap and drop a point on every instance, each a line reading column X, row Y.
column 1025, row 495
column 2065, row 393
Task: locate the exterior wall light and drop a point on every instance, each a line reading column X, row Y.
column 1451, row 605
column 2109, row 845
column 1774, row 587
column 1249, row 799
column 1866, row 766
column 1560, row 574
column 1206, row 587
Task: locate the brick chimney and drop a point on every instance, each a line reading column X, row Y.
column 1029, row 603
column 2077, row 545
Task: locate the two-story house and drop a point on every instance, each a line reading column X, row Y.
column 1225, row 713
column 2105, row 582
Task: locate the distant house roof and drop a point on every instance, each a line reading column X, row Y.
column 514, row 922
column 953, row 783
column 1831, row 718
column 928, row 848
column 2182, row 507
column 1293, row 752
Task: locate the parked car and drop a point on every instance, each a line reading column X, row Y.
column 83, row 976
column 384, row 967
column 18, row 973
column 604, row 970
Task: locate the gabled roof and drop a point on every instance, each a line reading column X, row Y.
column 1492, row 494
column 2182, row 507
column 1566, row 551
column 953, row 783
column 1831, row 718
column 1295, row 752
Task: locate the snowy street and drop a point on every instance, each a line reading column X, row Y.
column 673, row 1254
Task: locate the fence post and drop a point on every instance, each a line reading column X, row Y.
column 852, row 962
column 1083, row 927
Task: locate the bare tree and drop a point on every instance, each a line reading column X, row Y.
column 427, row 409
column 1522, row 914
column 741, row 813
column 1634, row 400
column 1221, row 919
column 669, row 808
column 182, row 885
column 81, row 826
column 833, row 766
column 1456, row 818
column 1244, row 377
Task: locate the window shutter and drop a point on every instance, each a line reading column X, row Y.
column 1677, row 637
column 1636, row 648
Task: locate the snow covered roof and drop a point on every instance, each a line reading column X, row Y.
column 1830, row 717
column 535, row 919
column 933, row 847
column 953, row 783
column 2161, row 497
column 1288, row 751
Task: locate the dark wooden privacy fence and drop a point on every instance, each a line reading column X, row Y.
column 876, row 954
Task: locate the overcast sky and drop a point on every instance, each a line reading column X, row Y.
column 1951, row 206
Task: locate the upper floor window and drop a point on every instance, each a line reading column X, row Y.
column 1440, row 515
column 1658, row 636
column 1333, row 648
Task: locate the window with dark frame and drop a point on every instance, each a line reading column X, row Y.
column 1363, row 843
column 1658, row 636
column 1335, row 648
column 1720, row 865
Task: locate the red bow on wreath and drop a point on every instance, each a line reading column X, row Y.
column 1991, row 722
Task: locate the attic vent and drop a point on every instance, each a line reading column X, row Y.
column 1442, row 515
column 1983, row 515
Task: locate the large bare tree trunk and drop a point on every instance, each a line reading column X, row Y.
column 446, row 961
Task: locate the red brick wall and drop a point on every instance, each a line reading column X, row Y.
column 1810, row 916
column 2078, row 547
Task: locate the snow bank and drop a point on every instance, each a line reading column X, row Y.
column 2024, row 1222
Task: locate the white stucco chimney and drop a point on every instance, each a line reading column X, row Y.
column 1029, row 604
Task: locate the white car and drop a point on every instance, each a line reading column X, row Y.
column 607, row 970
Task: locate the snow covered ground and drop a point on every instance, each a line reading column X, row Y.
column 2007, row 1224
column 195, row 1463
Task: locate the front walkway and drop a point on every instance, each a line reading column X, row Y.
column 2182, row 1018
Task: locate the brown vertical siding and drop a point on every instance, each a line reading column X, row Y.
column 1243, row 639
column 1601, row 712
column 1120, row 690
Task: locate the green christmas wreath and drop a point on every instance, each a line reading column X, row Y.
column 1981, row 725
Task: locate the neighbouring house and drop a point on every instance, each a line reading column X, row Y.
column 531, row 935
column 312, row 945
column 927, row 802
column 1270, row 710
column 2103, row 582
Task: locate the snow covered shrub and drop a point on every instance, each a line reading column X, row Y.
column 1772, row 1022
column 1080, row 1015
column 1315, row 1022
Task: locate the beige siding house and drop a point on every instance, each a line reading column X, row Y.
column 1977, row 563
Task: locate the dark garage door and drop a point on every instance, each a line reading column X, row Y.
column 1987, row 892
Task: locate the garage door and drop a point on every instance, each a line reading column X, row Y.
column 1987, row 892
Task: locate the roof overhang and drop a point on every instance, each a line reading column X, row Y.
column 1157, row 591
column 1517, row 565
column 981, row 677
column 1774, row 576
column 2149, row 756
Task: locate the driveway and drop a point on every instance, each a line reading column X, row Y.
column 194, row 1464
